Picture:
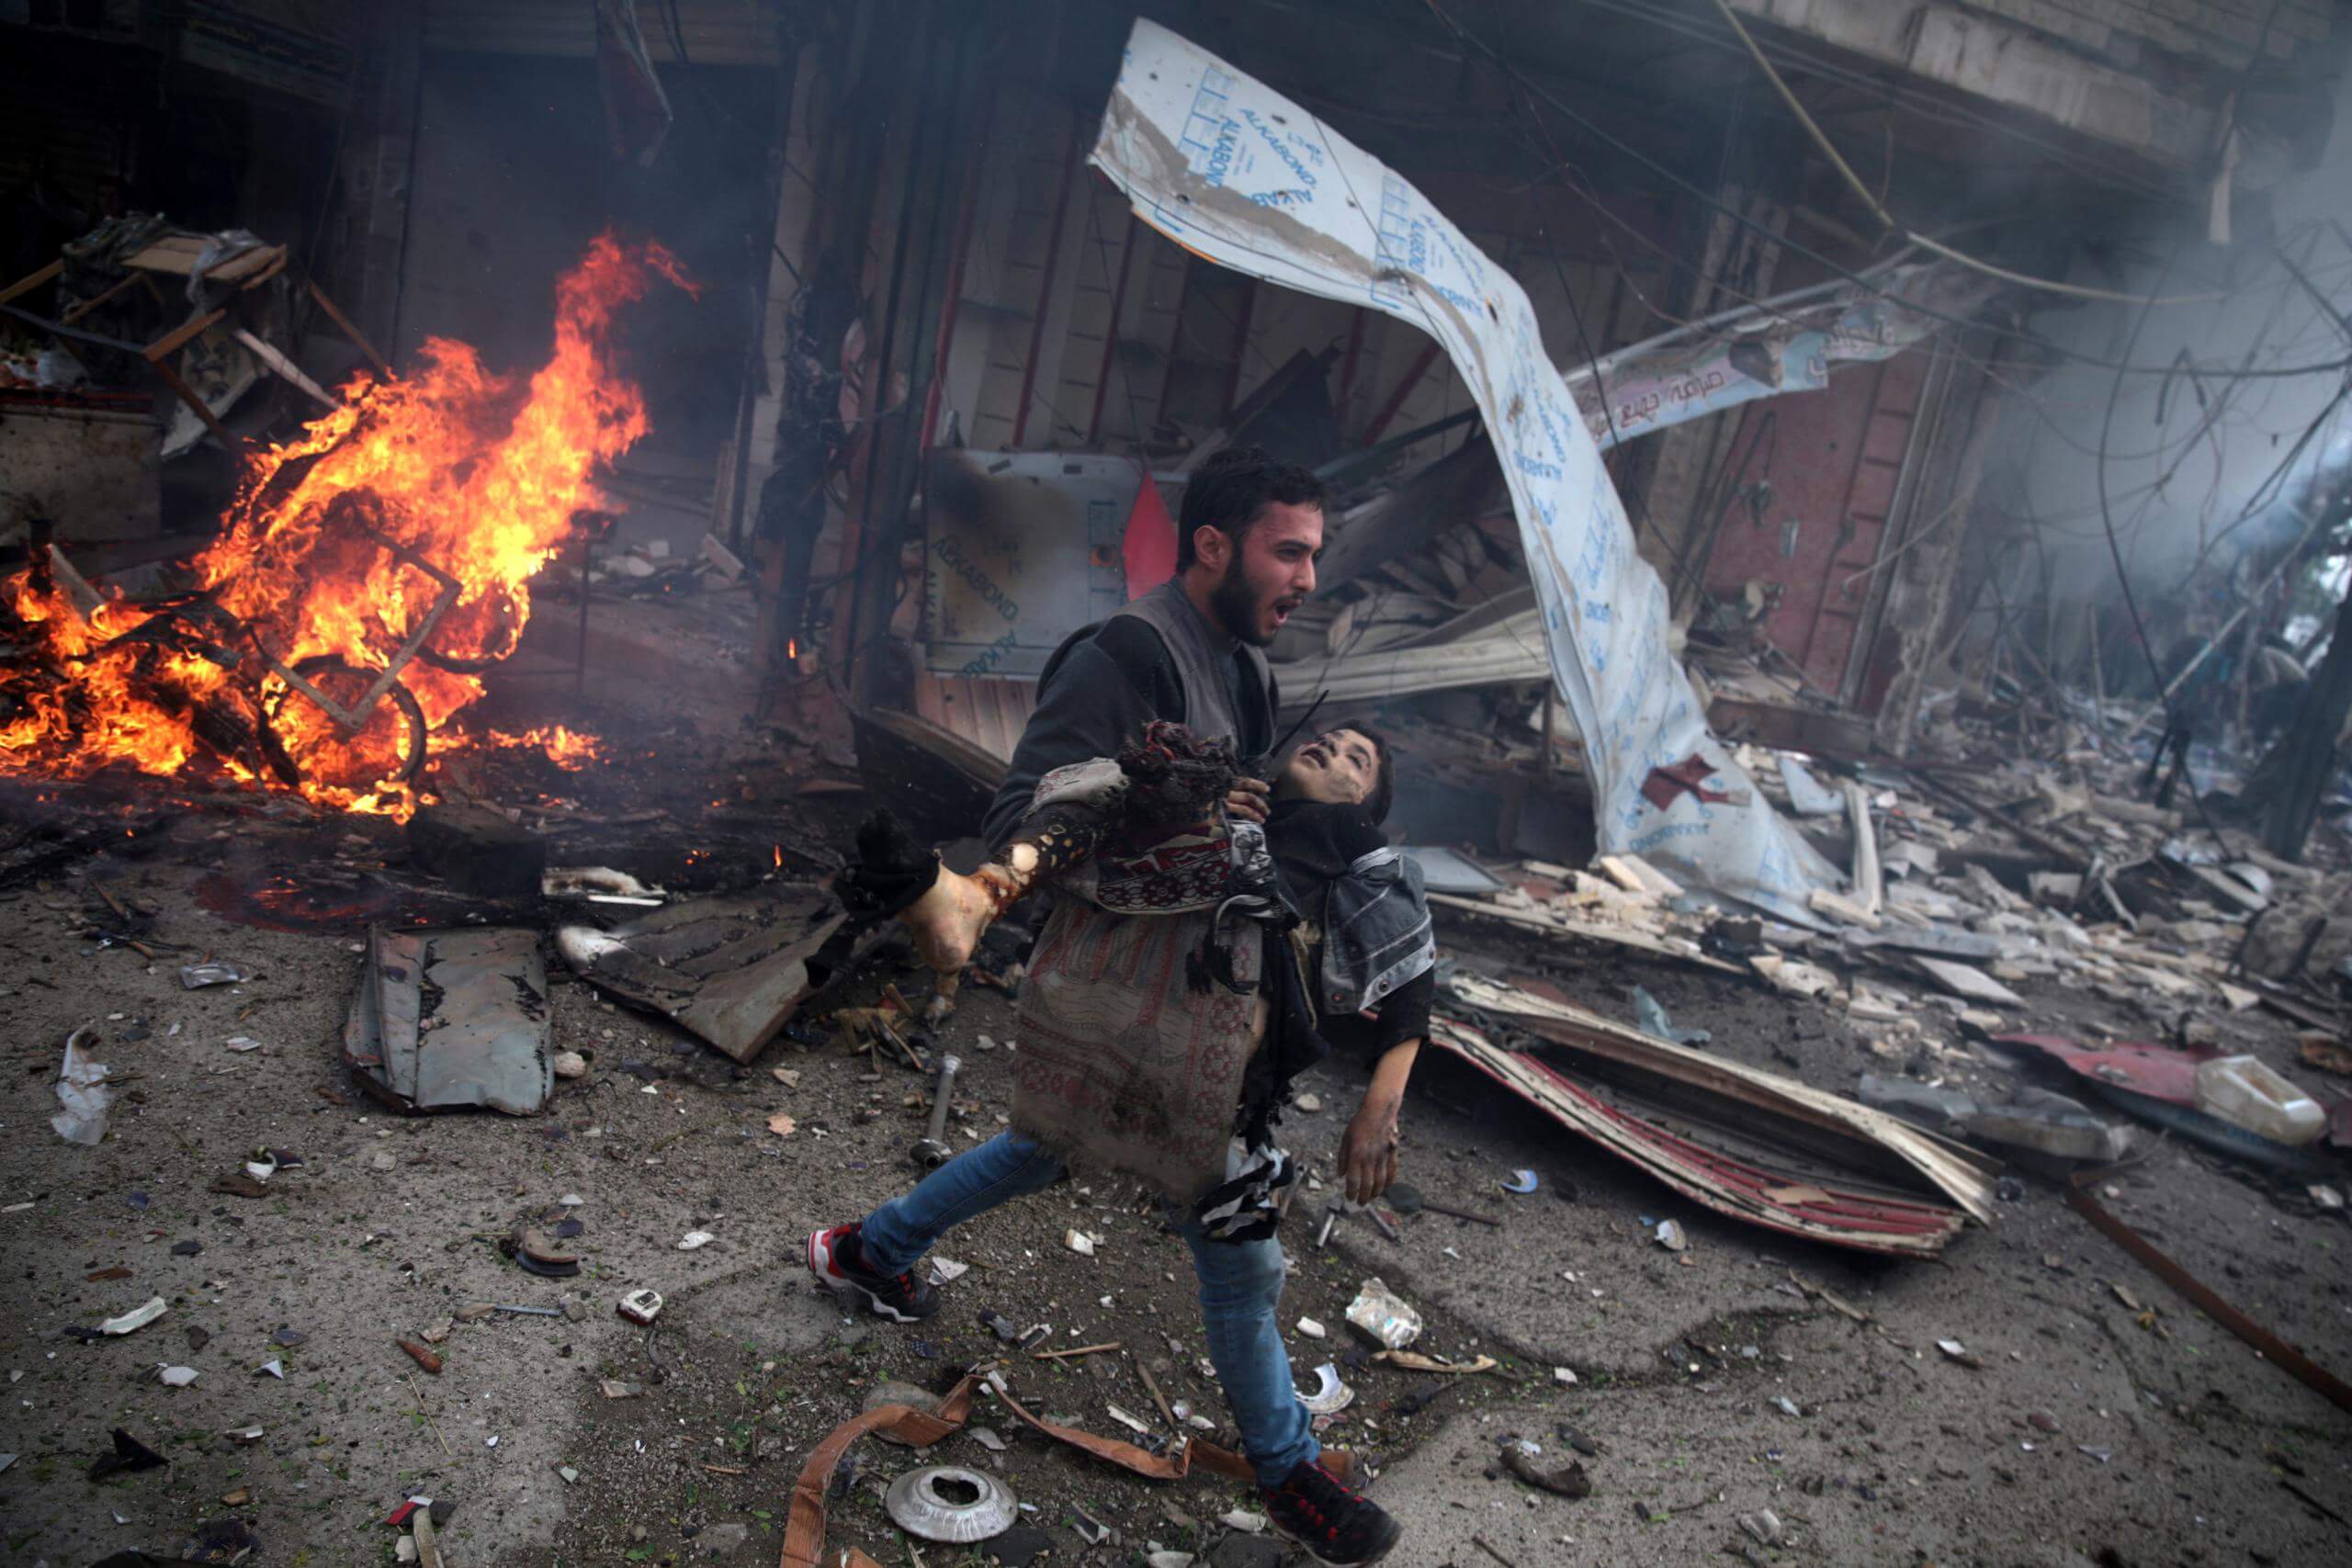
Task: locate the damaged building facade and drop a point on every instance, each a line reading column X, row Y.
column 1837, row 517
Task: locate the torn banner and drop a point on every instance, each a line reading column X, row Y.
column 1788, row 343
column 1236, row 172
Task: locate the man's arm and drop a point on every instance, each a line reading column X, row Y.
column 1095, row 698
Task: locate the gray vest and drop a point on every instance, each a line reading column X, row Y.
column 1200, row 666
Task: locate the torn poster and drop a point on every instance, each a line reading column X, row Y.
column 1772, row 347
column 1233, row 171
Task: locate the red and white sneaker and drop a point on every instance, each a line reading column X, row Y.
column 834, row 1259
column 1335, row 1524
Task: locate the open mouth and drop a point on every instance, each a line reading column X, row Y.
column 1283, row 608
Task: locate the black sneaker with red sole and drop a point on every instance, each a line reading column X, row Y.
column 835, row 1259
column 1330, row 1521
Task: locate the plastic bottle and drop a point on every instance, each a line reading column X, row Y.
column 2245, row 1093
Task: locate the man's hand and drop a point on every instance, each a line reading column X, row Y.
column 1368, row 1149
column 1249, row 799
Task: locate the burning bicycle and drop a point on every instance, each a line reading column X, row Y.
column 366, row 577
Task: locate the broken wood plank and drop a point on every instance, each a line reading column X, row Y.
column 1963, row 981
column 1870, row 888
column 1590, row 931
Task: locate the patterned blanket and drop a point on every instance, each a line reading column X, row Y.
column 1124, row 1063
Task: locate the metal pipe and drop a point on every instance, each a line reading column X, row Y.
column 1111, row 332
column 878, row 384
column 1046, row 284
column 953, row 289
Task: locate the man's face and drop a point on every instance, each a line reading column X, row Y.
column 1338, row 767
column 1270, row 574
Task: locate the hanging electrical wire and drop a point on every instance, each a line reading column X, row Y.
column 1887, row 221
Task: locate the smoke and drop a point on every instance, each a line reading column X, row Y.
column 2203, row 471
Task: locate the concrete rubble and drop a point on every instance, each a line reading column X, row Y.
column 1857, row 639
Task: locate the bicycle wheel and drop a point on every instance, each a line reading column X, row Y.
column 388, row 748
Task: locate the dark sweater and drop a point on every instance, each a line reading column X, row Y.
column 1099, row 690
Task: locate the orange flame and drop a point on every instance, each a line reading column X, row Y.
column 475, row 473
column 567, row 748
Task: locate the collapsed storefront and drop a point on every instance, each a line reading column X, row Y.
column 483, row 566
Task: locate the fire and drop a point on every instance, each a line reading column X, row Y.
column 458, row 484
column 567, row 748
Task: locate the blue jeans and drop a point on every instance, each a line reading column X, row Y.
column 1241, row 1285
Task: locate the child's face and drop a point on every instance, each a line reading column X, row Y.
column 1338, row 767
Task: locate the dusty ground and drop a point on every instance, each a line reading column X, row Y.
column 2161, row 1438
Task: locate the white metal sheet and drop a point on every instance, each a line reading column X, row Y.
column 1232, row 170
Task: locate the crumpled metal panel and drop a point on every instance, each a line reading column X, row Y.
column 450, row 1019
column 1239, row 175
column 732, row 970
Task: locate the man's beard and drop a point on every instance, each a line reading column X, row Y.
column 1236, row 605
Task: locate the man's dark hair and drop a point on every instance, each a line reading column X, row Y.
column 1231, row 490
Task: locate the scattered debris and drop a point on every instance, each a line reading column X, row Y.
column 1077, row 1241
column 449, row 1018
column 599, row 885
column 640, row 1306
column 421, row 1354
column 2271, row 1348
column 1331, row 1396
column 2033, row 1119
column 1669, row 1235
column 83, row 1090
column 175, row 1377
column 1408, row 1201
column 950, row 1503
column 2327, row 1055
column 196, row 976
column 129, row 1453
column 1311, row 1328
column 1414, row 1362
column 2245, row 1093
column 732, row 970
column 695, row 1240
column 1762, row 1105
column 1651, row 1016
column 1570, row 1480
column 1521, row 1182
column 1381, row 1315
column 138, row 1317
